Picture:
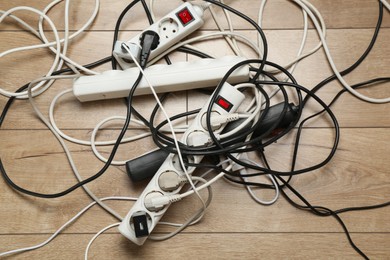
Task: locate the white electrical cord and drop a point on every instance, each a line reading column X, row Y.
column 386, row 4
column 68, row 37
column 55, row 234
column 309, row 8
column 78, row 215
column 303, row 41
column 61, row 141
column 58, row 48
column 96, row 235
column 231, row 28
column 93, row 136
column 250, row 188
column 129, row 139
column 231, row 39
column 85, row 142
column 233, row 44
column 72, row 139
column 57, row 64
column 196, row 217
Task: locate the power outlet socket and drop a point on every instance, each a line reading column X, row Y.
column 168, row 28
column 173, row 27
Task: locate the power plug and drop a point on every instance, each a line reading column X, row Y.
column 166, row 184
column 173, row 27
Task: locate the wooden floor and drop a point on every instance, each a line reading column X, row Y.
column 234, row 227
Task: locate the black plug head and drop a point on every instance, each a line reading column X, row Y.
column 150, row 36
column 149, row 41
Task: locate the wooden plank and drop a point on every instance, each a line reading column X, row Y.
column 279, row 14
column 351, row 179
column 205, row 246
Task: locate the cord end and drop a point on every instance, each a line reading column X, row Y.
column 149, row 41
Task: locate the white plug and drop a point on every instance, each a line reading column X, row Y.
column 170, row 181
column 217, row 120
column 198, row 139
column 159, row 202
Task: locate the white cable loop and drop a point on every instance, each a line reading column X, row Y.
column 58, row 231
column 129, row 139
column 309, row 8
column 58, row 48
column 57, row 63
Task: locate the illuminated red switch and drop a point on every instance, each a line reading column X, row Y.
column 224, row 103
column 185, row 16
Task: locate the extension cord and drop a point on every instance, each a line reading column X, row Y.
column 145, row 166
column 164, row 78
column 173, row 27
column 143, row 217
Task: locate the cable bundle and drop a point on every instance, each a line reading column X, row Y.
column 268, row 80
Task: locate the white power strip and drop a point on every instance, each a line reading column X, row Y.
column 141, row 219
column 173, row 27
column 164, row 78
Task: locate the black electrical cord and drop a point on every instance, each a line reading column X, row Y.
column 318, row 210
column 259, row 145
column 235, row 148
column 157, row 134
column 360, row 60
column 148, row 42
column 95, row 176
column 333, row 77
column 315, row 89
column 255, row 25
column 233, row 174
column 62, row 71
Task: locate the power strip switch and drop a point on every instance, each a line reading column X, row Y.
column 145, row 214
column 173, row 27
column 164, row 78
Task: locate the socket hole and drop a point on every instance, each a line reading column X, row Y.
column 173, row 31
column 164, row 28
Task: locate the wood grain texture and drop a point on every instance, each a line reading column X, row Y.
column 338, row 185
column 234, row 227
column 208, row 246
